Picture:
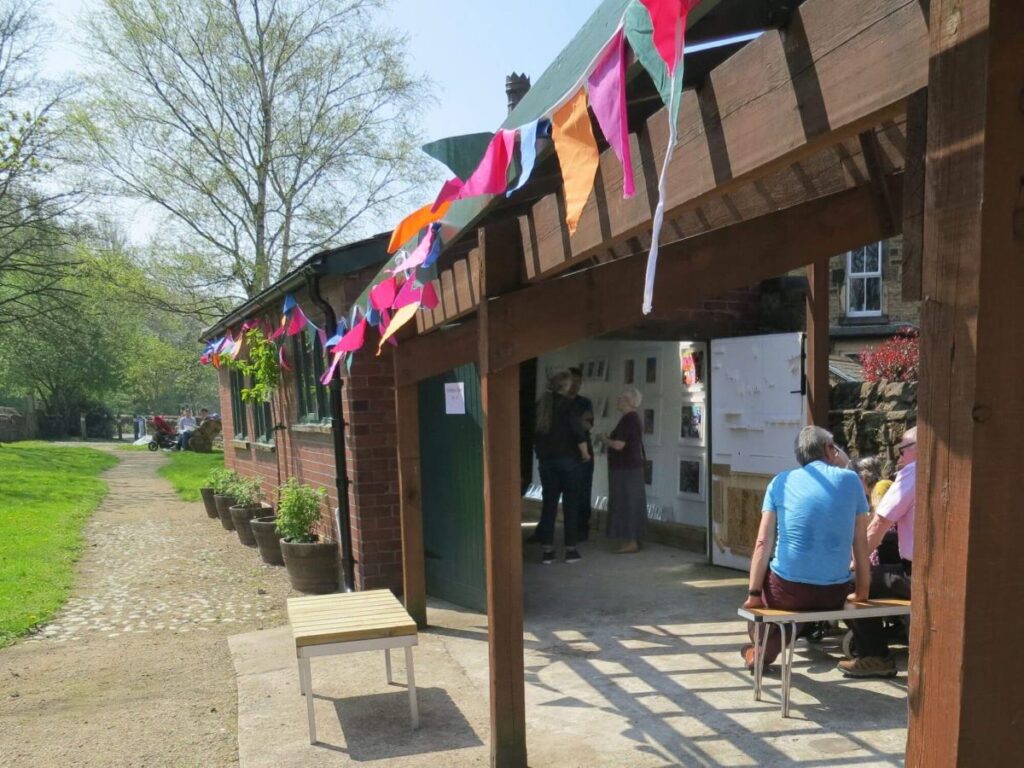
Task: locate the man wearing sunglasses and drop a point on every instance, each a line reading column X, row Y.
column 896, row 508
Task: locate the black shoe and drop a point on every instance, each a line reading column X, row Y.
column 572, row 555
column 548, row 557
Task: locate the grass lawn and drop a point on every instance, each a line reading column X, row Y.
column 46, row 495
column 187, row 471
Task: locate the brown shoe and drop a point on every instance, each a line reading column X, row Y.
column 868, row 666
column 747, row 652
column 628, row 549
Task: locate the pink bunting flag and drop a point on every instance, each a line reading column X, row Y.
column 329, row 373
column 409, row 294
column 607, row 91
column 382, row 295
column 296, row 321
column 429, row 299
column 490, row 176
column 282, row 360
column 668, row 18
column 416, row 258
column 353, row 340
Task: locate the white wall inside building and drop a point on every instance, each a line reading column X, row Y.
column 672, row 377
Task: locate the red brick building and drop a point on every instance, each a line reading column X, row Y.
column 293, row 436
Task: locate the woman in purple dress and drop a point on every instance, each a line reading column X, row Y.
column 627, row 495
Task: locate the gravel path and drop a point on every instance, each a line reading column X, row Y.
column 135, row 669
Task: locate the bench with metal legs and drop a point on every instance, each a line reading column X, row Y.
column 761, row 617
column 326, row 625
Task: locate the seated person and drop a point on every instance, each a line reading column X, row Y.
column 186, row 426
column 812, row 517
column 869, row 468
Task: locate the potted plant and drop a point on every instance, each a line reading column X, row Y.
column 223, row 497
column 312, row 565
column 213, row 481
column 248, row 493
column 268, row 540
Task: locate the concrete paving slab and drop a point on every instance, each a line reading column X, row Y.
column 631, row 660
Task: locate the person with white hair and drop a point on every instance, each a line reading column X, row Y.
column 811, row 518
column 627, row 494
column 896, row 507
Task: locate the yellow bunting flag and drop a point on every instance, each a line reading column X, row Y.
column 413, row 223
column 577, row 155
column 402, row 316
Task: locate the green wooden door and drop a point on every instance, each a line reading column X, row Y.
column 451, row 452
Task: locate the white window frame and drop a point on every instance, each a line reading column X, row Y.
column 851, row 276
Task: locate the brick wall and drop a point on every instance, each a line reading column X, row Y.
column 307, row 452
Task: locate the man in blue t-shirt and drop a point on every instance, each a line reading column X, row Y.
column 811, row 519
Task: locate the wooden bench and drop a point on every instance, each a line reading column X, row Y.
column 868, row 609
column 323, row 625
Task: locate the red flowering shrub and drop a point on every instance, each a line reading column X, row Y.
column 896, row 359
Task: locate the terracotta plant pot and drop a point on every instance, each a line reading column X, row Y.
column 312, row 568
column 241, row 517
column 224, row 505
column 268, row 540
column 208, row 502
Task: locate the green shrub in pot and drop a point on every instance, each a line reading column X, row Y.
column 248, row 495
column 298, row 509
column 312, row 565
column 221, row 479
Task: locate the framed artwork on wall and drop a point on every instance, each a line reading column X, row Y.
column 691, row 423
column 650, row 415
column 651, row 369
column 691, row 477
column 692, row 367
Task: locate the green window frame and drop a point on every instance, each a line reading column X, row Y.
column 311, row 396
column 238, row 418
column 263, row 424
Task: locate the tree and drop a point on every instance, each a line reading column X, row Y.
column 265, row 129
column 33, row 261
column 895, row 359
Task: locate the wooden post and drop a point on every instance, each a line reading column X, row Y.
column 816, row 345
column 414, row 576
column 500, row 262
column 966, row 667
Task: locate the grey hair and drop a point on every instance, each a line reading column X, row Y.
column 869, row 468
column 558, row 378
column 811, row 443
column 633, row 395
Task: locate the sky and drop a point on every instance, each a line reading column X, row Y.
column 466, row 47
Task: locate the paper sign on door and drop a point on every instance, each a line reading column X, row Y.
column 455, row 398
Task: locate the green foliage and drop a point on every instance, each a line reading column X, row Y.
column 298, row 509
column 248, row 491
column 188, row 472
column 221, row 479
column 48, row 493
column 260, row 365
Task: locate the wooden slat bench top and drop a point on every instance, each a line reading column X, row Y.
column 867, row 609
column 348, row 617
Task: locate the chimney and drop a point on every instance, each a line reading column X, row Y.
column 516, row 87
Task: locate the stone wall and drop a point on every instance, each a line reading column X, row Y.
column 869, row 418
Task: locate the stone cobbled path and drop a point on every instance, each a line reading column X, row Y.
column 134, row 670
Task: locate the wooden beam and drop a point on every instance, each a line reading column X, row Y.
column 840, row 68
column 876, row 172
column 913, row 194
column 966, row 699
column 414, row 575
column 606, row 298
column 816, row 343
column 431, row 354
column 499, row 394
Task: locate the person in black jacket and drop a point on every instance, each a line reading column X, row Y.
column 560, row 441
column 585, row 413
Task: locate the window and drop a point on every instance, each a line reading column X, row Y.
column 864, row 281
column 237, row 406
column 262, row 423
column 311, row 401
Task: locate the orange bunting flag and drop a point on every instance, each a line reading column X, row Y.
column 409, row 226
column 401, row 317
column 577, row 155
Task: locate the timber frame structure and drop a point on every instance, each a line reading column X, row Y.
column 853, row 121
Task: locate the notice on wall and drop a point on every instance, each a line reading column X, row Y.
column 455, row 398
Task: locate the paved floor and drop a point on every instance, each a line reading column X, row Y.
column 630, row 661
